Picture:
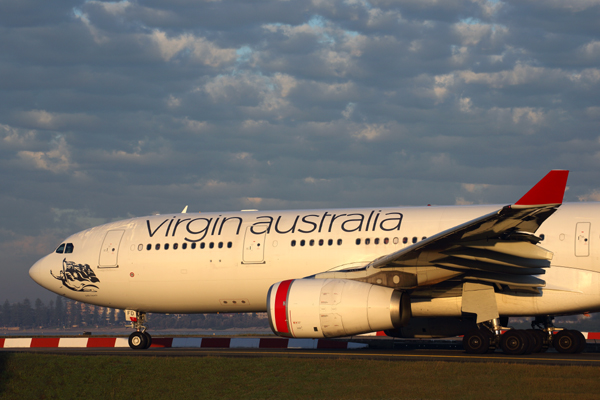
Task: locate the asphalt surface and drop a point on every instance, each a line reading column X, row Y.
column 548, row 358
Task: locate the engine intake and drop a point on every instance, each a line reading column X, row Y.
column 318, row 308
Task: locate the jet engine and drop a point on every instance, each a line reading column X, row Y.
column 318, row 308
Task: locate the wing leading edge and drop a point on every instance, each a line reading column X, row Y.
column 498, row 248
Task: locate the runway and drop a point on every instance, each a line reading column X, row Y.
column 436, row 355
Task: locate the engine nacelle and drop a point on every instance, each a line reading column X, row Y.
column 317, row 308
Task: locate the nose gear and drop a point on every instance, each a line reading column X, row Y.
column 140, row 339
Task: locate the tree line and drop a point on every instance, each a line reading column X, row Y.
column 65, row 314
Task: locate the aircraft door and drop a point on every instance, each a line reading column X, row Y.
column 109, row 251
column 582, row 239
column 254, row 247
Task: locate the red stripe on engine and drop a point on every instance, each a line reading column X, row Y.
column 281, row 308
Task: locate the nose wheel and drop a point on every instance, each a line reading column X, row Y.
column 140, row 339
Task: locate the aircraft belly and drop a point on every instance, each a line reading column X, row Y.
column 203, row 296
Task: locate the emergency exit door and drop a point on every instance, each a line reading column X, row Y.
column 109, row 252
column 254, row 247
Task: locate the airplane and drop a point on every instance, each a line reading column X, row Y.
column 434, row 271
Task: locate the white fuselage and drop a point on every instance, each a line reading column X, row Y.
column 226, row 262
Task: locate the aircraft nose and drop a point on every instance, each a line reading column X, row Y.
column 39, row 272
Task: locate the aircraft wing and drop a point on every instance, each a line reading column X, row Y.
column 502, row 242
column 498, row 248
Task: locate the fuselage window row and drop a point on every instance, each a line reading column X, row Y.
column 312, row 242
column 378, row 241
column 184, row 246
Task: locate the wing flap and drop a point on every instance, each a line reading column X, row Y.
column 510, row 280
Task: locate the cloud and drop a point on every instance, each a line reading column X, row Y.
column 474, row 188
column 112, row 109
column 592, row 196
column 56, row 160
column 199, row 49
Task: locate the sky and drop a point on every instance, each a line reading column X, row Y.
column 111, row 110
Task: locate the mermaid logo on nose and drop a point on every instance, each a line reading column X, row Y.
column 77, row 277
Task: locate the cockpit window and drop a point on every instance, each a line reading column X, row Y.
column 69, row 248
column 61, row 248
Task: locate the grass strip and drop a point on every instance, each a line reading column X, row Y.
column 42, row 376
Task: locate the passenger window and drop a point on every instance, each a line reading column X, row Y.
column 330, row 242
column 166, row 246
column 293, row 243
column 184, row 246
column 157, row 247
column 367, row 241
column 148, row 246
column 229, row 245
column 405, row 240
column 302, row 242
column 424, row 237
column 211, row 245
column 312, row 242
column 175, row 246
column 376, row 240
column 542, row 236
column 69, row 248
column 61, row 248
column 202, row 245
column 220, row 245
column 386, row 241
column 414, row 239
column 140, row 247
column 357, row 241
column 321, row 242
column 339, row 242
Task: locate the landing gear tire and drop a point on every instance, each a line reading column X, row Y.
column 492, row 340
column 583, row 342
column 138, row 340
column 148, row 339
column 539, row 338
column 566, row 341
column 532, row 341
column 476, row 342
column 514, row 342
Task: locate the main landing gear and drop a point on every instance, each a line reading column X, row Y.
column 140, row 339
column 489, row 336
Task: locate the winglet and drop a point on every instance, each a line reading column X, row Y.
column 550, row 190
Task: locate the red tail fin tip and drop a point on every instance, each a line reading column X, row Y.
column 550, row 190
